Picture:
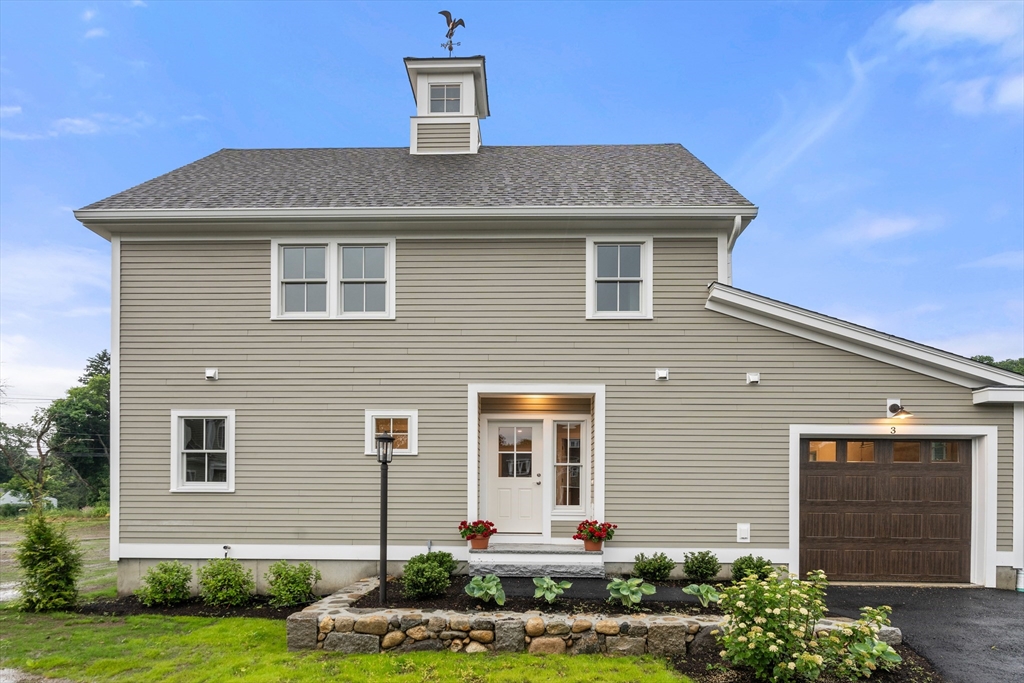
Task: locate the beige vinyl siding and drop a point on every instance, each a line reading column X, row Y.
column 703, row 449
column 442, row 137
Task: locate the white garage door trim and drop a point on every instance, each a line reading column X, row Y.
column 983, row 483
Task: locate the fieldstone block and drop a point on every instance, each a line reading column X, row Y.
column 548, row 645
column 459, row 623
column 436, row 624
column 481, row 624
column 636, row 629
column 704, row 641
column 353, row 643
column 581, row 625
column 418, row 633
column 374, row 625
column 475, row 648
column 326, row 624
column 428, row 645
column 482, row 636
column 534, row 626
column 557, row 628
column 608, row 627
column 890, row 635
column 456, row 646
column 393, row 639
column 586, row 644
column 301, row 630
column 509, row 635
column 625, row 645
column 410, row 620
column 395, row 623
column 344, row 624
column 667, row 639
column 448, row 635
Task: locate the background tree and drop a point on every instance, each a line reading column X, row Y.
column 1011, row 364
column 27, row 453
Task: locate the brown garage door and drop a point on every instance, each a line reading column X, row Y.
column 886, row 510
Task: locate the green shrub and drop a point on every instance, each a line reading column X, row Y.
column 12, row 509
column 51, row 563
column 486, row 588
column 225, row 582
column 424, row 578
column 629, row 591
column 770, row 627
column 100, row 510
column 442, row 559
column 166, row 583
column 548, row 588
column 748, row 564
column 654, row 568
column 701, row 567
column 288, row 585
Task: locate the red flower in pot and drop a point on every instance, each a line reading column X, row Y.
column 593, row 533
column 477, row 533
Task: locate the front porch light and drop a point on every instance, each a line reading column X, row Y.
column 385, row 448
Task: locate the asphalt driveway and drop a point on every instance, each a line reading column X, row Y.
column 971, row 635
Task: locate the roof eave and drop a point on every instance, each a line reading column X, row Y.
column 857, row 339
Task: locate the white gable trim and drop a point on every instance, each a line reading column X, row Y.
column 854, row 338
column 999, row 395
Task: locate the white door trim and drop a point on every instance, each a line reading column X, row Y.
column 984, row 460
column 473, row 434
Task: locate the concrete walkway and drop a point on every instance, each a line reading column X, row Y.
column 971, row 635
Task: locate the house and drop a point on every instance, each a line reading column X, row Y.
column 19, row 499
column 551, row 334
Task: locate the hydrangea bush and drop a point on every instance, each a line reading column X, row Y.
column 770, row 627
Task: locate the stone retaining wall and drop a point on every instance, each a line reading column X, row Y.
column 333, row 624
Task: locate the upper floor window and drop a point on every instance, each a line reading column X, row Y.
column 203, row 450
column 445, row 99
column 619, row 278
column 343, row 278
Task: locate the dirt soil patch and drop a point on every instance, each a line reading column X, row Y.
column 130, row 606
column 586, row 596
column 707, row 667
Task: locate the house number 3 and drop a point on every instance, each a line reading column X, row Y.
column 892, row 430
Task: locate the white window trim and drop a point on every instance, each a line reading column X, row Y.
column 571, row 512
column 646, row 311
column 333, row 246
column 412, row 415
column 178, row 483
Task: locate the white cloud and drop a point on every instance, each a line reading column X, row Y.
column 136, row 3
column 91, row 125
column 1006, row 259
column 96, row 33
column 30, row 377
column 14, row 135
column 75, row 126
column 1010, row 92
column 35, row 277
column 867, row 229
column 88, row 15
column 944, row 23
column 192, row 117
column 1000, row 344
column 6, row 111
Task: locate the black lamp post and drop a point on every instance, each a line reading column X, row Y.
column 385, row 451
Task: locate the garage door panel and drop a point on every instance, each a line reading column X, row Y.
column 879, row 519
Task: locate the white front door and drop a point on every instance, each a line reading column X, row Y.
column 515, row 452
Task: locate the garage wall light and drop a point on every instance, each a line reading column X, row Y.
column 894, row 408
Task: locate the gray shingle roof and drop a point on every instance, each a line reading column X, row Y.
column 577, row 175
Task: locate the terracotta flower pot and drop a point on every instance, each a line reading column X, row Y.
column 479, row 543
column 591, row 545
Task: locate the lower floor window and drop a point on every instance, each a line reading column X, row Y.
column 202, row 450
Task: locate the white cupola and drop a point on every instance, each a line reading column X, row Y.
column 451, row 98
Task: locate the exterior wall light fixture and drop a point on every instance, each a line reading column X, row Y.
column 894, row 408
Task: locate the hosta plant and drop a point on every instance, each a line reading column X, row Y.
column 548, row 588
column 705, row 593
column 486, row 588
column 629, row 591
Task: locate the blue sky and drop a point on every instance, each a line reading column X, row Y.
column 883, row 142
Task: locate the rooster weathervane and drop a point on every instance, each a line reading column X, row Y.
column 452, row 25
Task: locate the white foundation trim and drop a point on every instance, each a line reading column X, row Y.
column 725, row 555
column 475, row 391
column 115, row 397
column 257, row 551
column 985, row 455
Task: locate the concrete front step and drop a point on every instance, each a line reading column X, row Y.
column 534, row 559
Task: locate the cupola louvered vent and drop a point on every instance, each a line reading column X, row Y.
column 439, row 138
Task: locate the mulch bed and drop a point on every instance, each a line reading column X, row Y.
column 709, row 668
column 130, row 606
column 585, row 596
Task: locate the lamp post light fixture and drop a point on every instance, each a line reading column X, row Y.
column 385, row 451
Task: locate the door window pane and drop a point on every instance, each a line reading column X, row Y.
column 506, row 439
column 822, row 451
column 906, row 451
column 860, row 451
column 945, row 451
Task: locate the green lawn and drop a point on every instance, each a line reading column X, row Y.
column 192, row 649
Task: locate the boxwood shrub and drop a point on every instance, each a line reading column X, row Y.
column 166, row 583
column 225, row 582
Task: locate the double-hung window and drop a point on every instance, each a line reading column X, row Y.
column 619, row 278
column 445, row 99
column 203, row 450
column 333, row 278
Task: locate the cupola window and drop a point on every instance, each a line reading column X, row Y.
column 445, row 99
